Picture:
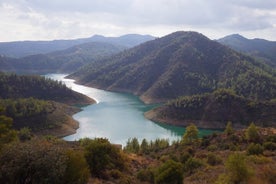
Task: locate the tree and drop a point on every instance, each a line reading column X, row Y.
column 229, row 129
column 144, row 146
column 7, row 134
column 237, row 170
column 252, row 133
column 191, row 134
column 102, row 156
column 169, row 173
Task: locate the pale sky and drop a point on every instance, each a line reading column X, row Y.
column 69, row 19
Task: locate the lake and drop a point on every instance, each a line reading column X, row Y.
column 117, row 117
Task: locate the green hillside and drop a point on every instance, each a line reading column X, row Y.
column 60, row 61
column 15, row 86
column 180, row 64
column 214, row 110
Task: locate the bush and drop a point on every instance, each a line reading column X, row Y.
column 213, row 159
column 102, row 156
column 270, row 146
column 237, row 170
column 252, row 133
column 146, row 175
column 169, row 172
column 212, row 148
column 191, row 165
column 77, row 170
column 255, row 149
column 33, row 162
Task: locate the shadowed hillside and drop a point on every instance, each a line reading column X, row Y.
column 261, row 49
column 179, row 64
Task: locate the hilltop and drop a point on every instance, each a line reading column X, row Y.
column 261, row 49
column 180, row 64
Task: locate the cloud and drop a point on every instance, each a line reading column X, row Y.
column 52, row 19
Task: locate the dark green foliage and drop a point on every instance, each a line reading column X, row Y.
column 132, row 146
column 270, row 146
column 7, row 134
column 255, row 149
column 222, row 106
column 102, row 156
column 191, row 165
column 32, row 162
column 213, row 159
column 180, row 64
column 146, row 175
column 144, row 147
column 24, row 134
column 169, row 172
column 15, row 86
column 36, row 114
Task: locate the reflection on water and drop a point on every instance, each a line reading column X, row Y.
column 116, row 116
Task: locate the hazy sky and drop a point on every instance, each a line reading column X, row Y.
column 67, row 19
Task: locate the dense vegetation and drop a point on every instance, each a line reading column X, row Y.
column 15, row 86
column 244, row 156
column 60, row 61
column 262, row 49
column 214, row 110
column 180, row 64
column 40, row 116
column 39, row 104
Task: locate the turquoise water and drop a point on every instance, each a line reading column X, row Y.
column 118, row 117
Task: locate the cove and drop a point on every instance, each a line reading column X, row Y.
column 117, row 117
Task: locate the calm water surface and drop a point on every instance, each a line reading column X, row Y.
column 117, row 116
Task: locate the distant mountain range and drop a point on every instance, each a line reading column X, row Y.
column 259, row 48
column 24, row 48
column 180, row 64
column 67, row 60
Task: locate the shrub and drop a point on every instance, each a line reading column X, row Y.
column 255, row 149
column 77, row 170
column 33, row 162
column 213, row 159
column 191, row 134
column 252, row 133
column 24, row 134
column 102, row 156
column 237, row 170
column 212, row 148
column 146, row 175
column 270, row 146
column 169, row 172
column 191, row 165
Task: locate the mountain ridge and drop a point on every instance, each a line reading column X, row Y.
column 19, row 49
column 262, row 49
column 181, row 63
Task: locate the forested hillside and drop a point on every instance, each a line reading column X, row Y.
column 214, row 110
column 179, row 64
column 60, row 61
column 15, row 86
